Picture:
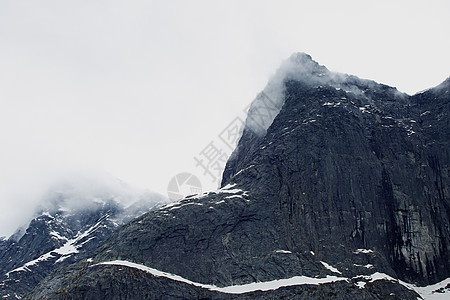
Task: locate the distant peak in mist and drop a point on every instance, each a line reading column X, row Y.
column 85, row 193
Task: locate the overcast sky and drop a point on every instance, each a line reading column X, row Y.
column 137, row 89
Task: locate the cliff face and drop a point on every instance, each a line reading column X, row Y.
column 358, row 170
column 333, row 176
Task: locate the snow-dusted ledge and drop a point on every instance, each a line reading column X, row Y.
column 234, row 289
column 428, row 292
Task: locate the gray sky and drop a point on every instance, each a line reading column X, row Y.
column 137, row 89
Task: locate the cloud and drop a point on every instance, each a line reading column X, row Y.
column 137, row 89
column 299, row 67
column 69, row 192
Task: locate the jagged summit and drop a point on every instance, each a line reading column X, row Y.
column 300, row 67
column 304, row 63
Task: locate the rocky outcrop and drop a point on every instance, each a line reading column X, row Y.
column 333, row 175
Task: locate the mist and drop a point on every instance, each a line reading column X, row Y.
column 136, row 90
column 303, row 68
column 69, row 192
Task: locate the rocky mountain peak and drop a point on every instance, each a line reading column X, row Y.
column 335, row 179
column 302, row 63
column 300, row 67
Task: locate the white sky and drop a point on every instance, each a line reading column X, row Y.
column 136, row 89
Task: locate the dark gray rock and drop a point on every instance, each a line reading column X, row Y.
column 343, row 164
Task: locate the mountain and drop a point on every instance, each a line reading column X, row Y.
column 338, row 189
column 70, row 223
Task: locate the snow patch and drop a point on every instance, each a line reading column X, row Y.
column 283, row 251
column 368, row 266
column 331, row 268
column 233, row 191
column 234, row 289
column 47, row 214
column 57, row 236
column 332, row 104
column 245, row 169
column 438, row 291
column 233, row 196
column 25, row 267
column 363, row 251
column 228, row 190
column 228, row 186
column 69, row 248
column 62, row 258
column 180, row 205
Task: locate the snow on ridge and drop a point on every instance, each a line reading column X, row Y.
column 26, row 266
column 429, row 292
column 436, row 291
column 331, row 268
column 276, row 284
column 184, row 204
column 234, row 289
column 184, row 201
column 69, row 248
column 228, row 189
